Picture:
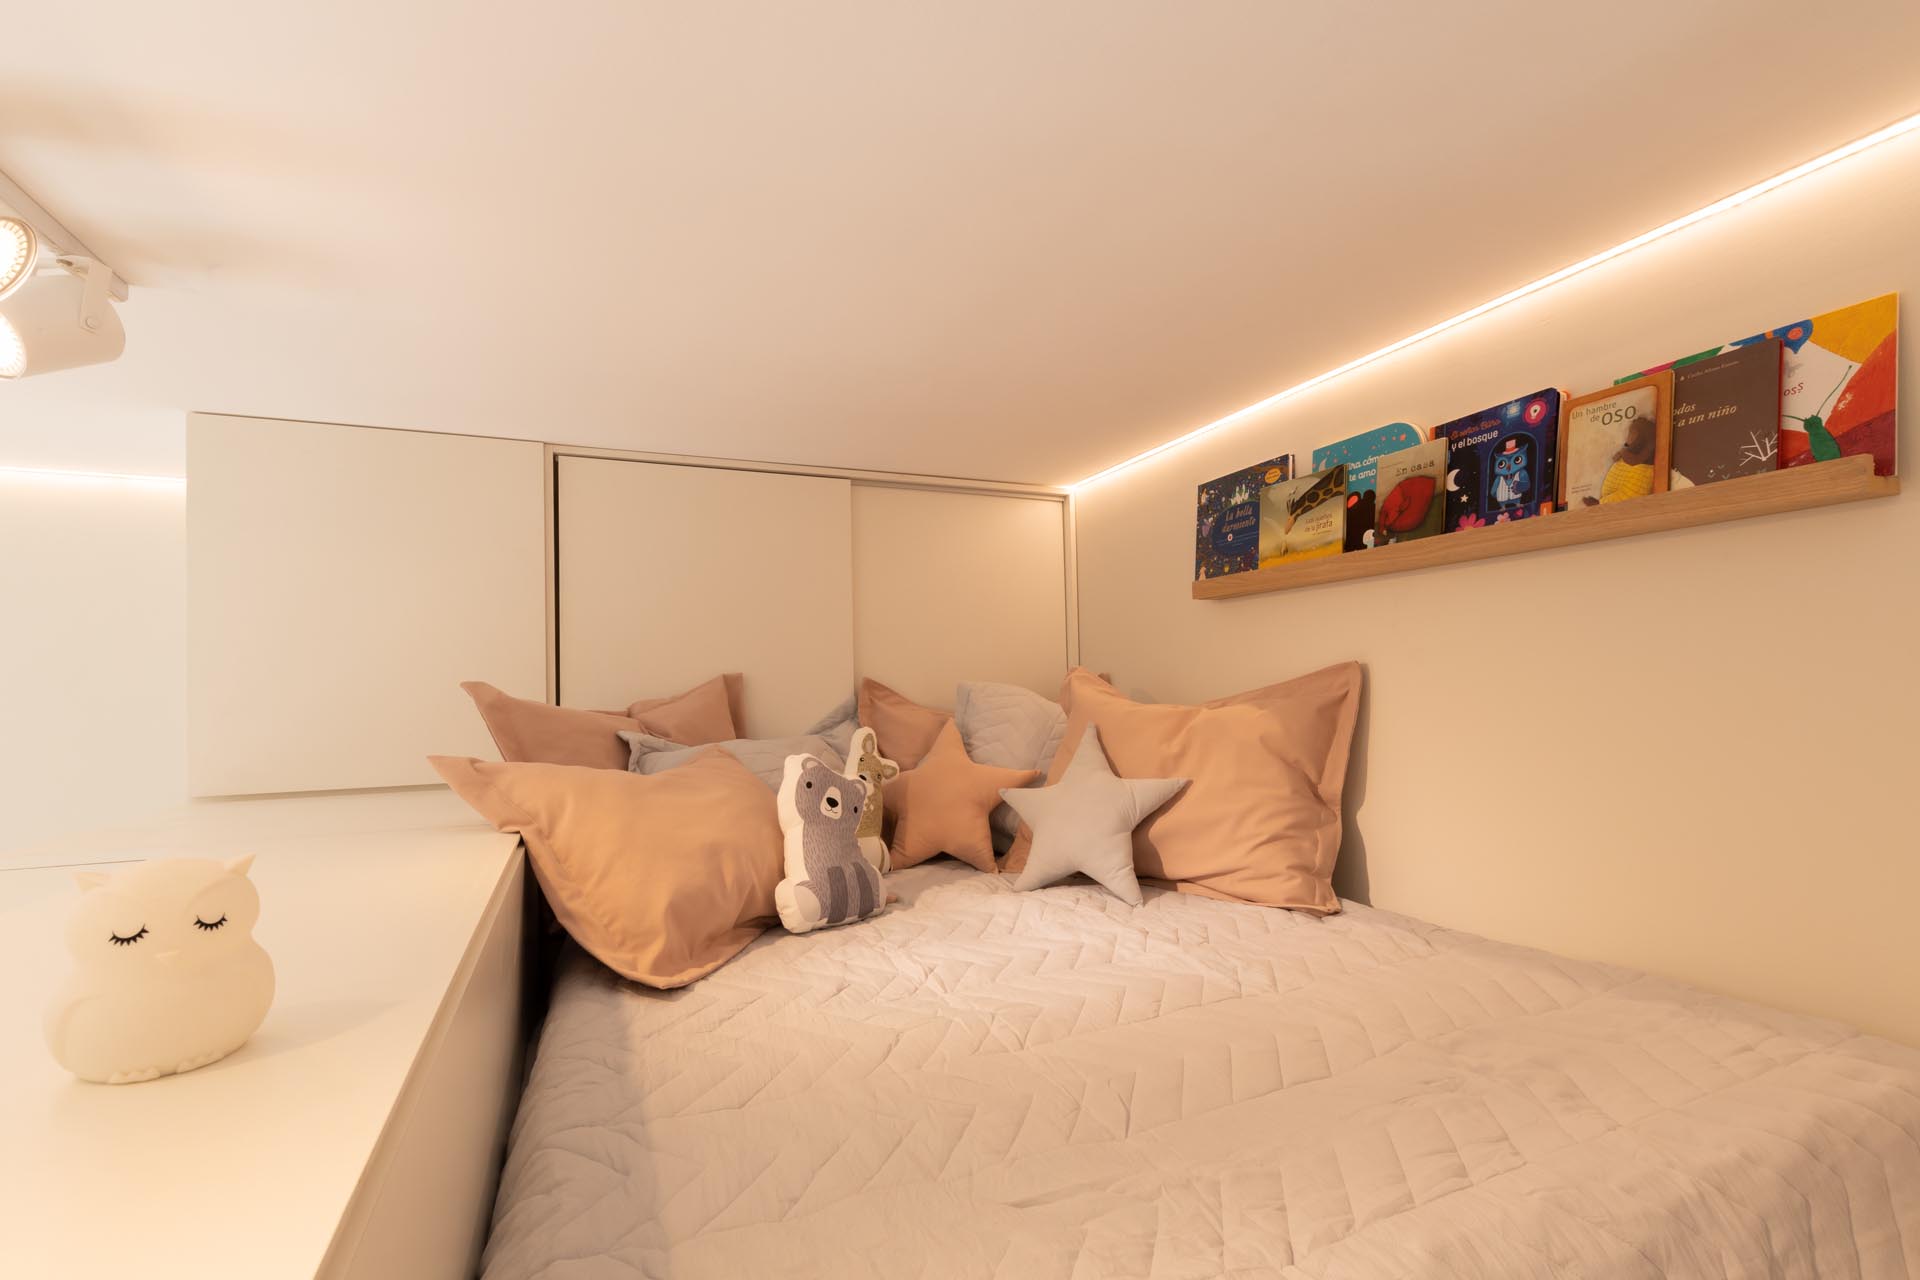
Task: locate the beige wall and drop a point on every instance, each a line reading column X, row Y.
column 1690, row 752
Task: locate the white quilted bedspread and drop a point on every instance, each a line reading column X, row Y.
column 1053, row 1084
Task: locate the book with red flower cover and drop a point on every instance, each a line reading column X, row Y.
column 1412, row 494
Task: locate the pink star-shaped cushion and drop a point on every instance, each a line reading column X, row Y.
column 942, row 805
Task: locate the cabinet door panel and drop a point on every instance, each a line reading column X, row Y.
column 670, row 574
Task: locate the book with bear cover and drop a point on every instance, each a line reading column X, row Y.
column 1360, row 454
column 1226, row 531
column 1617, row 443
column 1726, row 414
column 1305, row 518
column 1503, row 462
column 1412, row 485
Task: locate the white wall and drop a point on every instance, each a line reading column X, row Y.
column 1690, row 752
column 92, row 653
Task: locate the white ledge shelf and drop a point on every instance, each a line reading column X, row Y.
column 1819, row 484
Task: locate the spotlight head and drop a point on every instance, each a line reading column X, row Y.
column 65, row 320
column 19, row 248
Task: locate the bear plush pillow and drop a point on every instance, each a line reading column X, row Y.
column 828, row 880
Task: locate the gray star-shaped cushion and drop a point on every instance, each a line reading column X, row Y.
column 1085, row 821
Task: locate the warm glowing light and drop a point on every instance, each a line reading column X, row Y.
column 13, row 352
column 50, row 476
column 19, row 246
column 1738, row 198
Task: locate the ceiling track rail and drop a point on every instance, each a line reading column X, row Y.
column 53, row 231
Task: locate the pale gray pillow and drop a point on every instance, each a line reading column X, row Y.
column 1007, row 727
column 837, row 725
column 766, row 757
column 1084, row 822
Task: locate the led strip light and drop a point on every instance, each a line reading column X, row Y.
column 50, row 476
column 1854, row 148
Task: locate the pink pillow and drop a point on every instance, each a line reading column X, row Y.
column 906, row 730
column 1260, row 822
column 696, row 713
column 663, row 877
column 528, row 732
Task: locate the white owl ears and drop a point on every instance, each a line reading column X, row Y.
column 241, row 865
column 89, row 880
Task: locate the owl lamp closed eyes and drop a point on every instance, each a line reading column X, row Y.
column 166, row 974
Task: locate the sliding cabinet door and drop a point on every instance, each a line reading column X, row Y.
column 341, row 583
column 670, row 574
column 958, row 586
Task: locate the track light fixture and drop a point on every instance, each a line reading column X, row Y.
column 64, row 319
column 19, row 249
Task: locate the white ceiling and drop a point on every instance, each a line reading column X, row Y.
column 1012, row 240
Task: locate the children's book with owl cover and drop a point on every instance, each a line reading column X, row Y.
column 1839, row 382
column 1361, row 455
column 1305, row 518
column 1226, row 531
column 1412, row 484
column 1503, row 462
column 1726, row 415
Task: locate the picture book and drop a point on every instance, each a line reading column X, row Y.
column 1838, row 382
column 1226, row 536
column 1726, row 416
column 1304, row 518
column 1412, row 484
column 1838, row 392
column 1617, row 444
column 1503, row 462
column 1360, row 454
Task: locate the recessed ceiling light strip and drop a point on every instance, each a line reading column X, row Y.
column 1854, row 148
column 46, row 475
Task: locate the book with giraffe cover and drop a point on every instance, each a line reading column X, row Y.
column 1305, row 518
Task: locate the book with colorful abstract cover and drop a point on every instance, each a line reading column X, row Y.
column 1503, row 462
column 1413, row 494
column 1361, row 455
column 1839, row 387
column 1226, row 532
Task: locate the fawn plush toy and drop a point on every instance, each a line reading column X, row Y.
column 865, row 762
column 829, row 880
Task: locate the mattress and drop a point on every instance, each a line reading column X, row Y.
column 1054, row 1084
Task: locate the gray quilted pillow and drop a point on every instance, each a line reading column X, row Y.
column 837, row 725
column 1010, row 728
column 765, row 756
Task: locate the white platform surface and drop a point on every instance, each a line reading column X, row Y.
column 242, row 1168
